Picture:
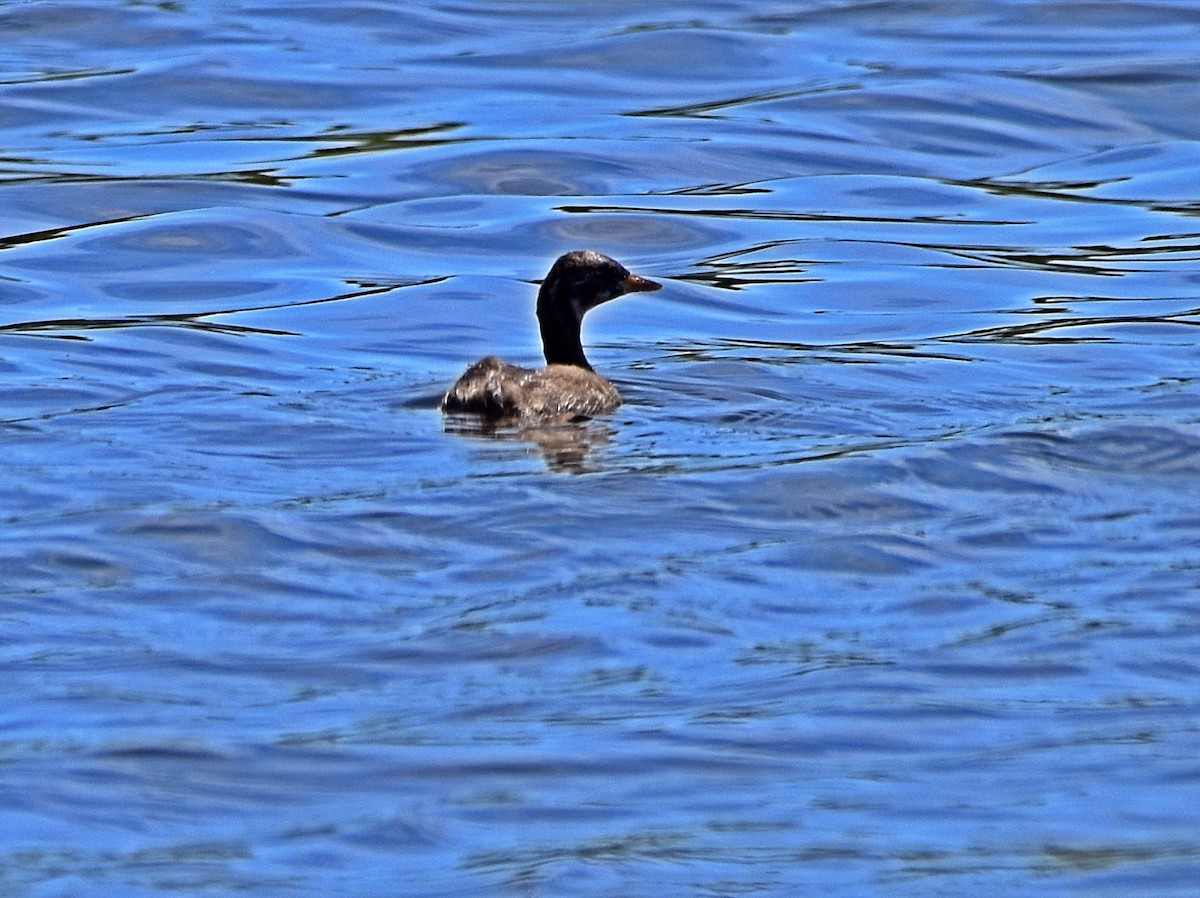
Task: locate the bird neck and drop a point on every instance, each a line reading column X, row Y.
column 561, row 341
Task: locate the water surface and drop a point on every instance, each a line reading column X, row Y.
column 883, row 581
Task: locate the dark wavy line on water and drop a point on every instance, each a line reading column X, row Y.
column 1035, row 331
column 67, row 75
column 55, row 233
column 1093, row 260
column 712, row 350
column 783, row 215
column 258, row 177
column 707, row 108
column 261, row 173
column 718, row 188
column 1026, row 332
column 733, row 271
column 1067, row 191
column 62, row 328
column 351, row 142
column 123, row 402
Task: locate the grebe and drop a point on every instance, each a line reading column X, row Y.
column 567, row 388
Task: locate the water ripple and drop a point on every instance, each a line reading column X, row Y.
column 886, row 565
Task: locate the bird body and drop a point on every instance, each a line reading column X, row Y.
column 496, row 389
column 567, row 388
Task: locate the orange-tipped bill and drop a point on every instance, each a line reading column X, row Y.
column 637, row 284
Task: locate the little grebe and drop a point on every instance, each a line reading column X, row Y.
column 567, row 388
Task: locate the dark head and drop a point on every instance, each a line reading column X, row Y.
column 578, row 282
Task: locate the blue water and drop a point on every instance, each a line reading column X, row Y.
column 884, row 581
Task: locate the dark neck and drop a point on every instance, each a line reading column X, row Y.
column 561, row 343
